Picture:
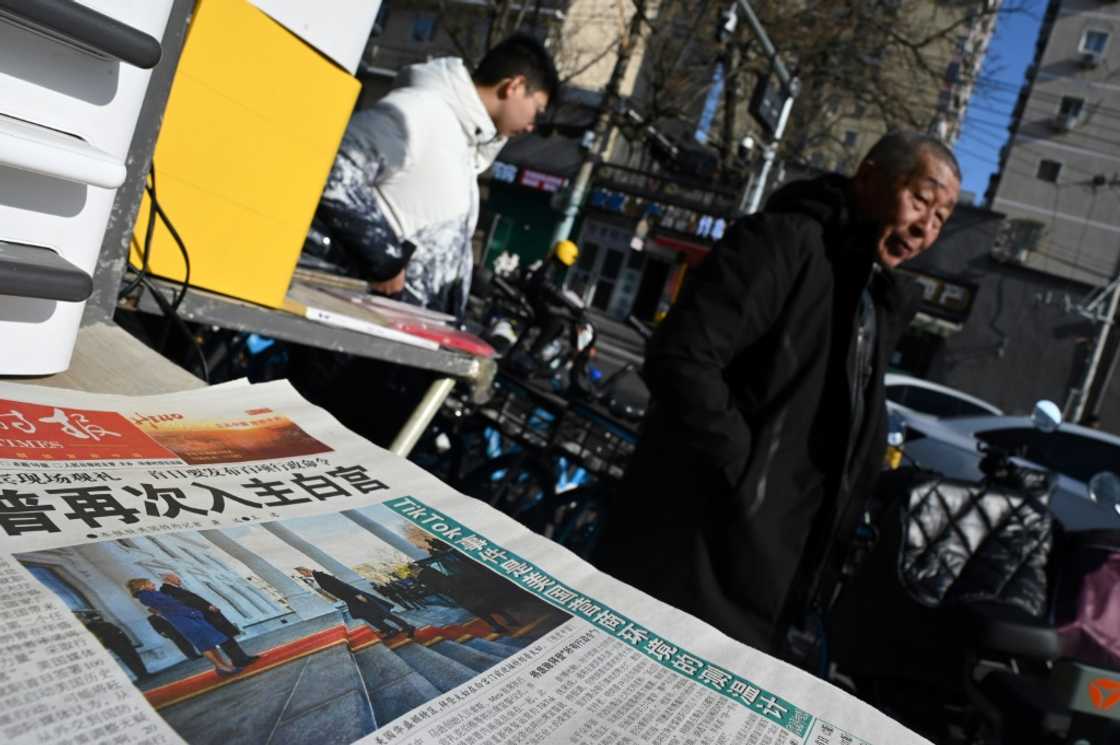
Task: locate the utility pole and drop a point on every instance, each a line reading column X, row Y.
column 1106, row 320
column 603, row 129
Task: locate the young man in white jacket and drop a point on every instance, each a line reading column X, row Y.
column 402, row 197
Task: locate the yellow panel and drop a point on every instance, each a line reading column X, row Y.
column 253, row 123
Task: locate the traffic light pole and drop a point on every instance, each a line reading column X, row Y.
column 754, row 189
column 752, row 195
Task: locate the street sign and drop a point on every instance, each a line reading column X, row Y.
column 766, row 103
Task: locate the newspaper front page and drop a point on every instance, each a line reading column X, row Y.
column 231, row 566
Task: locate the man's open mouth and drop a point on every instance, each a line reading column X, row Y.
column 897, row 247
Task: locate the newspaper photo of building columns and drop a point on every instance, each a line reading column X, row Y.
column 317, row 629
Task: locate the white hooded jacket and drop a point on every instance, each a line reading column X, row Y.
column 419, row 152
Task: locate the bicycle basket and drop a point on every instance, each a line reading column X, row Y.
column 593, row 444
column 522, row 415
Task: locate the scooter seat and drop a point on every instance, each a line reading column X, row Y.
column 1004, row 628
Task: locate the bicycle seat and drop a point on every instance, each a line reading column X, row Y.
column 1001, row 627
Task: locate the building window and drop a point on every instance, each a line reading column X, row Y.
column 1048, row 170
column 424, row 28
column 850, row 138
column 1072, row 107
column 1094, row 41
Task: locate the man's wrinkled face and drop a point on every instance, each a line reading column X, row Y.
column 912, row 211
column 519, row 107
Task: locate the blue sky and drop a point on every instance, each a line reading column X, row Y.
column 989, row 111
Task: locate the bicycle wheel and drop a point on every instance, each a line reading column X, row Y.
column 513, row 483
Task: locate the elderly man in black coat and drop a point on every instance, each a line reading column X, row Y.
column 362, row 605
column 768, row 421
column 164, row 628
column 173, row 586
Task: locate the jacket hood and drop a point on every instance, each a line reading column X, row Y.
column 826, row 199
column 449, row 78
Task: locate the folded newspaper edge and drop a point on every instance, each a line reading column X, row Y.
column 104, row 499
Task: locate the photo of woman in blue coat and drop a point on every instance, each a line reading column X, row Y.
column 187, row 621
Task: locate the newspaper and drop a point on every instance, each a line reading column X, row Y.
column 231, row 566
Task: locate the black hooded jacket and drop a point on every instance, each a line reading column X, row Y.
column 750, row 460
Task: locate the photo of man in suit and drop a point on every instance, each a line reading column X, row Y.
column 362, row 605
column 113, row 638
column 173, row 586
column 164, row 628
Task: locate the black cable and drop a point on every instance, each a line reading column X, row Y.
column 173, row 316
column 1047, row 97
column 156, row 209
column 145, row 252
column 178, row 242
column 1067, row 136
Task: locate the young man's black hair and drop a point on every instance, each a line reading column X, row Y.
column 524, row 55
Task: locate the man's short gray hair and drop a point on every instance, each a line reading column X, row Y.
column 898, row 153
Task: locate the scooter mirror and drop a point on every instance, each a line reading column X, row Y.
column 896, row 429
column 1046, row 416
column 1104, row 489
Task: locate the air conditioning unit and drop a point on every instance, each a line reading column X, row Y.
column 1091, row 59
column 1017, row 239
column 1066, row 122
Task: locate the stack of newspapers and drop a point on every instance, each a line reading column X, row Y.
column 230, row 565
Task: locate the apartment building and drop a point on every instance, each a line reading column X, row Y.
column 1059, row 175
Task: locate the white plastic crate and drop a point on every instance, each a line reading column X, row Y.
column 67, row 116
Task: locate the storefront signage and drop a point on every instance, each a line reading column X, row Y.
column 508, row 173
column 950, row 300
column 541, row 181
column 668, row 216
column 504, row 172
column 667, row 189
